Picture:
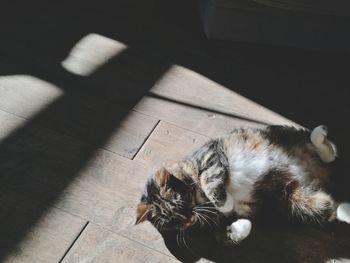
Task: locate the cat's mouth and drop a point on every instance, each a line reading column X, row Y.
column 191, row 221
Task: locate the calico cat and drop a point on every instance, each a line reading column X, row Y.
column 233, row 175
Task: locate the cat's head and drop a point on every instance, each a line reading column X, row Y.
column 168, row 200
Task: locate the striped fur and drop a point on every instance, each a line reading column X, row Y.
column 236, row 173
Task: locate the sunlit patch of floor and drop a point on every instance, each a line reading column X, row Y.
column 90, row 53
column 24, row 96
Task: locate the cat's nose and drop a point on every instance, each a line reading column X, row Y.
column 189, row 223
column 186, row 225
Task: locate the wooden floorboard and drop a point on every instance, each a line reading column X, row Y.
column 143, row 87
column 77, row 115
column 48, row 240
column 195, row 102
column 168, row 143
column 105, row 191
column 100, row 245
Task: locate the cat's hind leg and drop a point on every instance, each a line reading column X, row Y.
column 309, row 205
column 325, row 148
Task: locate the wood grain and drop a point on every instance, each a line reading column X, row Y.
column 99, row 245
column 48, row 240
column 168, row 143
column 197, row 103
column 68, row 156
column 105, row 191
column 77, row 115
column 130, row 134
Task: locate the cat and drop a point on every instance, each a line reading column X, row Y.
column 233, row 175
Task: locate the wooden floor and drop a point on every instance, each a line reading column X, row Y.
column 94, row 98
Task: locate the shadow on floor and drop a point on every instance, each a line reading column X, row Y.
column 267, row 243
column 36, row 166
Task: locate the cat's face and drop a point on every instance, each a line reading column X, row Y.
column 167, row 202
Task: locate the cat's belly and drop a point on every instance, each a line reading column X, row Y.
column 242, row 196
column 245, row 170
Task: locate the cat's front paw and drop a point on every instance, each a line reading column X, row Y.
column 343, row 212
column 238, row 231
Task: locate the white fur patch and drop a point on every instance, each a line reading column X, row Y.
column 318, row 135
column 240, row 229
column 228, row 205
column 343, row 212
column 325, row 148
column 245, row 168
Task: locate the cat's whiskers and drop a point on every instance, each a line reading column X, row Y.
column 197, row 218
column 205, row 203
column 179, row 215
column 200, row 218
column 161, row 226
column 203, row 218
column 180, row 205
column 156, row 222
column 184, row 240
column 211, row 219
column 200, row 211
column 206, row 210
column 160, row 222
column 206, row 207
column 212, row 207
column 160, row 207
column 177, row 239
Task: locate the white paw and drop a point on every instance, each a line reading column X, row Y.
column 239, row 230
column 343, row 212
column 318, row 135
column 326, row 150
column 228, row 205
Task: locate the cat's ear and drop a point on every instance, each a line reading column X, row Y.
column 143, row 212
column 163, row 177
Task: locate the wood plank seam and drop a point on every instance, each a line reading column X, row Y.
column 91, row 222
column 170, row 123
column 148, row 136
column 184, row 128
column 205, row 109
column 74, row 241
column 60, row 134
column 142, row 244
column 16, row 115
column 99, row 244
column 132, row 240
